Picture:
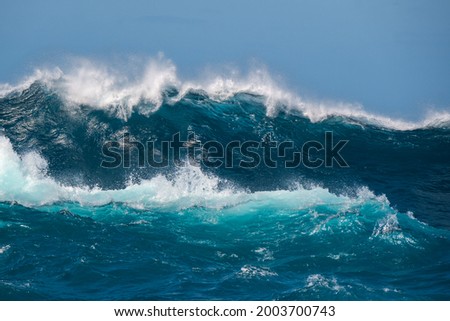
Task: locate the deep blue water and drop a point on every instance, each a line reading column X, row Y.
column 378, row 229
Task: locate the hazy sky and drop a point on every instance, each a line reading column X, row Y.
column 391, row 56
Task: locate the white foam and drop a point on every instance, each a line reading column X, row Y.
column 119, row 90
column 318, row 281
column 388, row 229
column 5, row 248
column 47, row 76
column 258, row 82
column 249, row 271
column 23, row 179
column 264, row 254
column 387, row 225
column 97, row 85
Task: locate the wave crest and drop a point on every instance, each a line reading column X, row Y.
column 121, row 91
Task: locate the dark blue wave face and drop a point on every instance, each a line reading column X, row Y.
column 268, row 240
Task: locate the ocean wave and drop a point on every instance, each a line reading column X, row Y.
column 142, row 87
column 377, row 228
column 24, row 180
